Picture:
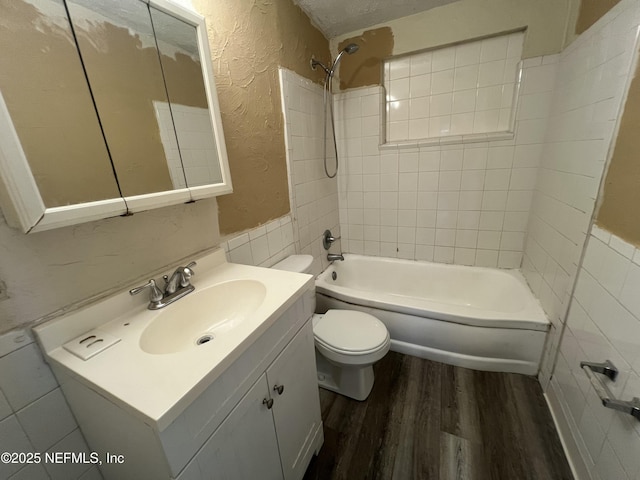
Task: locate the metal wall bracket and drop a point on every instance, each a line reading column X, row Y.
column 605, row 368
column 608, row 369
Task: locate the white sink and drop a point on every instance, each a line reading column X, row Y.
column 157, row 368
column 201, row 319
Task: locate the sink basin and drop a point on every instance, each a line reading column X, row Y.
column 198, row 319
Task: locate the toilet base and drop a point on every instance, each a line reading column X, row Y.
column 351, row 381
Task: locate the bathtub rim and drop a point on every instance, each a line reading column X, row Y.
column 531, row 318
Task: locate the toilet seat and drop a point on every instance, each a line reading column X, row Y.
column 349, row 332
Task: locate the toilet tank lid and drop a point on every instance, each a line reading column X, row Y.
column 295, row 263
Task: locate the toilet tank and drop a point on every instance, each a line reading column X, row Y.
column 295, row 263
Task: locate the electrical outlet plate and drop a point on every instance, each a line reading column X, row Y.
column 90, row 344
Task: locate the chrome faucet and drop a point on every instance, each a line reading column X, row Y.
column 176, row 287
column 180, row 278
column 328, row 239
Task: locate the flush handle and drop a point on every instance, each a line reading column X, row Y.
column 279, row 389
column 268, row 402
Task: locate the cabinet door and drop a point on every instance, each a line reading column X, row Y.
column 244, row 446
column 296, row 410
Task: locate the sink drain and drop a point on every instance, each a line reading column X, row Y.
column 204, row 339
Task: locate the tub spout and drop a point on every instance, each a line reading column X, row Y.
column 332, row 257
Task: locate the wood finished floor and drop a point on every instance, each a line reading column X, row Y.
column 427, row 420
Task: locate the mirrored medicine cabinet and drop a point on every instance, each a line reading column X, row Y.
column 106, row 108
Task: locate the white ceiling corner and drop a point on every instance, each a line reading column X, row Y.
column 337, row 17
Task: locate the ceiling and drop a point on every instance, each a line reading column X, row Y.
column 336, row 17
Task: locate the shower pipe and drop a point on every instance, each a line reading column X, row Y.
column 328, row 95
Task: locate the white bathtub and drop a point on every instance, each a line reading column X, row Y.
column 480, row 318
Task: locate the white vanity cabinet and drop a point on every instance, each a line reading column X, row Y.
column 296, row 411
column 268, row 435
column 244, row 446
column 259, row 418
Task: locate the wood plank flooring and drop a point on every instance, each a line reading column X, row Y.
column 427, row 420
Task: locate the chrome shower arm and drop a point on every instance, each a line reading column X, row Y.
column 316, row 63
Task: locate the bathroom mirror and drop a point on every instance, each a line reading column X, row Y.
column 187, row 113
column 56, row 121
column 118, row 49
column 109, row 108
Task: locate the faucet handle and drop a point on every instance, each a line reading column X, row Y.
column 328, row 239
column 187, row 273
column 188, row 270
column 155, row 295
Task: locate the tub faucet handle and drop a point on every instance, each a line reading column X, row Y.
column 328, row 239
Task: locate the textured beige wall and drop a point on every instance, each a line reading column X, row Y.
column 591, row 11
column 549, row 25
column 248, row 40
column 365, row 66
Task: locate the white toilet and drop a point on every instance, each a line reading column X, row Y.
column 348, row 342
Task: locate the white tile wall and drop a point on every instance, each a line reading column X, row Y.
column 169, row 143
column 197, row 145
column 591, row 83
column 457, row 90
column 34, row 416
column 197, row 157
column 603, row 323
column 74, row 442
column 264, row 245
column 465, row 203
column 313, row 196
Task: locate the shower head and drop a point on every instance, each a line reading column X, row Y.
column 350, row 49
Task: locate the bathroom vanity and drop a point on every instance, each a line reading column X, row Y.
column 242, row 404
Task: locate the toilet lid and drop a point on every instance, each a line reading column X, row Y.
column 350, row 331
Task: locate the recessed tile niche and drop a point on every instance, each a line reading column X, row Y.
column 455, row 93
